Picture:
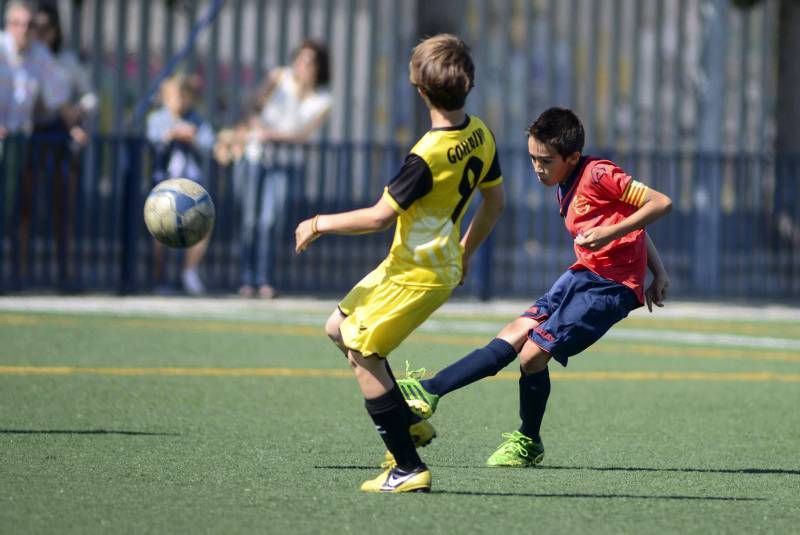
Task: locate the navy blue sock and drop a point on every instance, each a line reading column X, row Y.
column 480, row 363
column 389, row 412
column 534, row 389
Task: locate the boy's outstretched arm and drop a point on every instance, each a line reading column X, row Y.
column 492, row 203
column 657, row 291
column 377, row 217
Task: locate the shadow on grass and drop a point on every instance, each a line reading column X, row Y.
column 686, row 470
column 601, row 496
column 348, row 467
column 82, row 432
column 559, row 495
column 596, row 469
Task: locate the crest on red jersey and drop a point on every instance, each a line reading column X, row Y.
column 599, row 171
column 581, row 205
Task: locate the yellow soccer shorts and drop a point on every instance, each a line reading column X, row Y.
column 381, row 314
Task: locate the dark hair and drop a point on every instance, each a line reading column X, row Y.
column 559, row 128
column 321, row 59
column 51, row 12
column 442, row 68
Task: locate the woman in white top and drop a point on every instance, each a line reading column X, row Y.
column 292, row 105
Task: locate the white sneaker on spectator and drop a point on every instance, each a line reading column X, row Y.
column 192, row 283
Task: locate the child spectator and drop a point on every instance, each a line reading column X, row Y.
column 180, row 139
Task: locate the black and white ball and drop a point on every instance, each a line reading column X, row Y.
column 179, row 212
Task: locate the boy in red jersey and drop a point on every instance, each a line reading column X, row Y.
column 605, row 210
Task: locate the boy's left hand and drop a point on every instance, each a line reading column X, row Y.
column 656, row 292
column 595, row 238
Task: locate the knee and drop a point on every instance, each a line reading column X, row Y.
column 333, row 332
column 533, row 362
column 336, row 337
column 516, row 332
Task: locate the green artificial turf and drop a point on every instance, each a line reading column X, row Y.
column 138, row 424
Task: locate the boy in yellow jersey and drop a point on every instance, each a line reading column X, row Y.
column 427, row 198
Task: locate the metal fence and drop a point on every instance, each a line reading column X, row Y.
column 643, row 74
column 679, row 92
column 74, row 221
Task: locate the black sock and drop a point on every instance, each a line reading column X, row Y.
column 412, row 418
column 534, row 389
column 389, row 412
column 480, row 363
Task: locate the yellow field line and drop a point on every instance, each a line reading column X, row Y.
column 694, row 352
column 757, row 377
column 174, row 372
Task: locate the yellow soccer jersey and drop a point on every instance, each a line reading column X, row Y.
column 431, row 193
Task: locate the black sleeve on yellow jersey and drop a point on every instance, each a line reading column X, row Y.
column 494, row 171
column 413, row 181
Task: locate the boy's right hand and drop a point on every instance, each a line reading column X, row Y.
column 656, row 292
column 304, row 235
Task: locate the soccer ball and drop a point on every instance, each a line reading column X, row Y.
column 178, row 212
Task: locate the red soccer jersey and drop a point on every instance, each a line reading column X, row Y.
column 594, row 199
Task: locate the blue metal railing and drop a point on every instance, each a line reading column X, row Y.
column 72, row 220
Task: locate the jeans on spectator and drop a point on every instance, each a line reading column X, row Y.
column 261, row 196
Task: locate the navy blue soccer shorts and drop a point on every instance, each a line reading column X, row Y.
column 578, row 310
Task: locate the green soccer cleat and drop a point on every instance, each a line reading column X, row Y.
column 422, row 432
column 518, row 451
column 396, row 480
column 420, row 401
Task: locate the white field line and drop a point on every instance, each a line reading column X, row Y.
column 313, row 312
column 647, row 335
column 253, row 308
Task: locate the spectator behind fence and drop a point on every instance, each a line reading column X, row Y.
column 30, row 76
column 291, row 106
column 31, row 83
column 58, row 136
column 180, row 139
column 72, row 118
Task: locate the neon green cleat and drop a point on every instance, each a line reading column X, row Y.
column 395, row 480
column 420, row 401
column 517, row 450
column 422, row 432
